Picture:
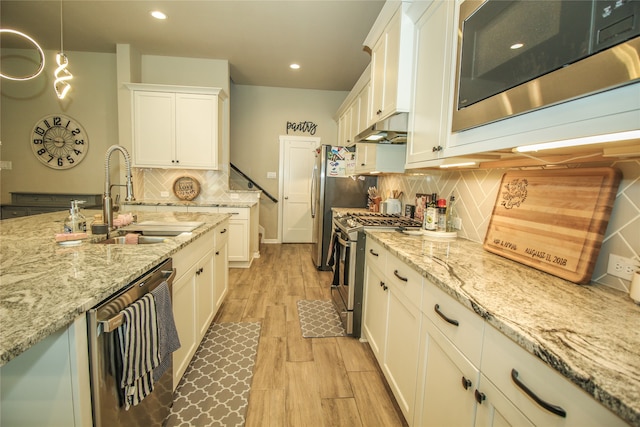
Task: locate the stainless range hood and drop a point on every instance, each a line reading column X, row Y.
column 392, row 130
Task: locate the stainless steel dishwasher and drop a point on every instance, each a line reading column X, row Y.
column 103, row 320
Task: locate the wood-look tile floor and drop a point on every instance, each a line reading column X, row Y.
column 303, row 381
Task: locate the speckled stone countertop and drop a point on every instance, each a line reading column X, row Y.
column 44, row 286
column 590, row 334
column 180, row 203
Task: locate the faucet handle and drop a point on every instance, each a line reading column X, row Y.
column 116, row 203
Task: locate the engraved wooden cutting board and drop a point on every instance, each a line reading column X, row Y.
column 553, row 220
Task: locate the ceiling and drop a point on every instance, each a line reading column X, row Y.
column 258, row 38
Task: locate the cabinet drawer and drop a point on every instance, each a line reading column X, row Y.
column 405, row 279
column 236, row 213
column 376, row 255
column 187, row 257
column 460, row 325
column 501, row 356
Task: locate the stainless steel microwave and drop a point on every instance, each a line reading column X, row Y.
column 519, row 56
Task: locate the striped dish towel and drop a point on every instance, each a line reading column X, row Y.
column 138, row 339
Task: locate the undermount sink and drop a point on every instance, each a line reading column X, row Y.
column 160, row 228
column 142, row 240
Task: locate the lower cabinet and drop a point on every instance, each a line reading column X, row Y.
column 48, row 385
column 447, row 367
column 198, row 290
column 392, row 327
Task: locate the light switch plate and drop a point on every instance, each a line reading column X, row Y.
column 271, row 175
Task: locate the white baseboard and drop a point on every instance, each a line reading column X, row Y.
column 270, row 241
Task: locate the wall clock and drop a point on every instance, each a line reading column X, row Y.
column 59, row 141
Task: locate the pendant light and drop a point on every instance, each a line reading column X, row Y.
column 62, row 75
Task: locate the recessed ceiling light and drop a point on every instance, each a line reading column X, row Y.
column 516, row 46
column 294, row 66
column 158, row 15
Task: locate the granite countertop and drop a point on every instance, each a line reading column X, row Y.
column 44, row 286
column 185, row 203
column 590, row 334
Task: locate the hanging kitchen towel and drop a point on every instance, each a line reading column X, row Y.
column 168, row 340
column 138, row 341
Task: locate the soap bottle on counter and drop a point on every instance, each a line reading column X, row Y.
column 75, row 222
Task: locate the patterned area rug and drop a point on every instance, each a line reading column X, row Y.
column 214, row 390
column 319, row 319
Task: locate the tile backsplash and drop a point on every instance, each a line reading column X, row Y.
column 150, row 184
column 476, row 191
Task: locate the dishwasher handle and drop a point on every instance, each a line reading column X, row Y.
column 113, row 323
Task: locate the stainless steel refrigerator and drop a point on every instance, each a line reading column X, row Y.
column 328, row 190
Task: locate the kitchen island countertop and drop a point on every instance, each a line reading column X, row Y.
column 590, row 334
column 44, row 286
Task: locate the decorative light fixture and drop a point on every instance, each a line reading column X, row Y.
column 40, row 67
column 587, row 140
column 62, row 75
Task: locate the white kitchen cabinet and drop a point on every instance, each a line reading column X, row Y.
column 239, row 232
column 391, row 324
column 376, row 303
column 495, row 410
column 501, row 357
column 194, row 301
column 363, row 109
column 347, row 125
column 221, row 261
column 177, row 126
column 48, row 385
column 380, row 158
column 391, row 58
column 446, row 382
column 430, row 111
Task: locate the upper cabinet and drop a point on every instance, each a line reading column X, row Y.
column 391, row 44
column 353, row 114
column 177, row 126
column 431, row 106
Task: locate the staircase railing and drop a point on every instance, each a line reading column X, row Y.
column 251, row 183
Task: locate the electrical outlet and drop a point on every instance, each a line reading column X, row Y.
column 164, row 194
column 622, row 267
column 457, row 223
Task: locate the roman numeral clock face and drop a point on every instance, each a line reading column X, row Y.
column 59, row 141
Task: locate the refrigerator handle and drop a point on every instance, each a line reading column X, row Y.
column 313, row 190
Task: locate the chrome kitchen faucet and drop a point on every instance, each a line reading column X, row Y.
column 107, row 202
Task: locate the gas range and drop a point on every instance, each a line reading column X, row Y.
column 352, row 222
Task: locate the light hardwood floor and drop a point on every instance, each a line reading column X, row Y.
column 303, row 381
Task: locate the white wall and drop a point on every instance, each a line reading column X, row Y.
column 91, row 101
column 259, row 116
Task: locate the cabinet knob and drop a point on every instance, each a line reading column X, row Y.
column 217, row 252
column 383, row 286
column 466, row 383
column 379, row 112
column 480, row 396
column 437, row 148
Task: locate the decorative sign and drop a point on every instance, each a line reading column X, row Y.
column 309, row 127
column 186, row 188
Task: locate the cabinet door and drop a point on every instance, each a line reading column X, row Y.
column 239, row 241
column 401, row 349
column 447, row 394
column 374, row 322
column 221, row 278
column 365, row 157
column 495, row 410
column 184, row 302
column 197, row 130
column 377, row 79
column 391, row 65
column 431, row 89
column 153, row 128
column 363, row 110
column 205, row 293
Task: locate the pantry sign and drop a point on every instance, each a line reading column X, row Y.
column 303, row 127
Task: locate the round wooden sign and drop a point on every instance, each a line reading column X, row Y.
column 186, row 188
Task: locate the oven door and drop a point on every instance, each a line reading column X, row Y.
column 342, row 290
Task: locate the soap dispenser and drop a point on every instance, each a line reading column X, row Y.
column 75, row 222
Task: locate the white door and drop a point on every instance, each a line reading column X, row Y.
column 297, row 158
